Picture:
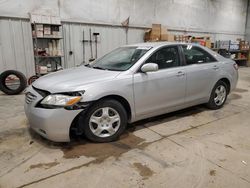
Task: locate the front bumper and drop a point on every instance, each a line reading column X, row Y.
column 53, row 124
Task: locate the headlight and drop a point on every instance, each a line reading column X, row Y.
column 60, row 100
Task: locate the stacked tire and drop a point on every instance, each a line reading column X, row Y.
column 10, row 91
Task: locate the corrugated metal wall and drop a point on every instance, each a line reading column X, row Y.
column 109, row 39
column 16, row 48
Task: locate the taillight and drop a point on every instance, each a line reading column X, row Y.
column 236, row 67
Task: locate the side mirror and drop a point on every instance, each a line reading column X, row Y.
column 149, row 67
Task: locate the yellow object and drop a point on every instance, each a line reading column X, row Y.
column 73, row 101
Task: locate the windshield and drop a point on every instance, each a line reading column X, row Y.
column 120, row 59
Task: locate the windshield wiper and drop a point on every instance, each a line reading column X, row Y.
column 99, row 68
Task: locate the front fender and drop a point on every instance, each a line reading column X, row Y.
column 122, row 87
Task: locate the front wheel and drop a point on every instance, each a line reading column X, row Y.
column 105, row 121
column 218, row 96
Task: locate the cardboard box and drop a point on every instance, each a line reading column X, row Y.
column 164, row 30
column 47, row 30
column 208, row 43
column 158, row 33
column 39, row 33
column 182, row 38
column 164, row 34
column 164, row 37
column 153, row 34
column 156, row 30
column 170, row 38
column 39, row 27
column 167, row 37
column 39, row 30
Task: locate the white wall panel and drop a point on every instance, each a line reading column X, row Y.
column 227, row 16
column 220, row 19
column 109, row 39
column 16, row 49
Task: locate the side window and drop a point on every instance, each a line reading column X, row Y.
column 165, row 58
column 196, row 55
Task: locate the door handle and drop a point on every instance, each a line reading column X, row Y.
column 215, row 67
column 180, row 73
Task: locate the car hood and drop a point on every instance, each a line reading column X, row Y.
column 73, row 79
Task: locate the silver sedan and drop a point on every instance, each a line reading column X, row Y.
column 131, row 83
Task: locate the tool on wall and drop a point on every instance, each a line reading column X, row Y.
column 91, row 49
column 96, row 35
column 83, row 47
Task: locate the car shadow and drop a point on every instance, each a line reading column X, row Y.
column 81, row 147
column 191, row 111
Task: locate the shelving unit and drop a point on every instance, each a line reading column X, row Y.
column 241, row 56
column 47, row 48
column 46, row 35
column 239, row 50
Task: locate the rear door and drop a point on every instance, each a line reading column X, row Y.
column 202, row 72
column 156, row 92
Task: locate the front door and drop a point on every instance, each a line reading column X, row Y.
column 156, row 92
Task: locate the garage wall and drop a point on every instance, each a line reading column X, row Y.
column 16, row 48
column 109, row 38
column 220, row 19
column 214, row 16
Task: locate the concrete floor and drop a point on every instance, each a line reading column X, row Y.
column 195, row 147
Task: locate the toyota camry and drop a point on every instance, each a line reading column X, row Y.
column 131, row 83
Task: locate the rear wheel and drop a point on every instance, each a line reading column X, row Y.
column 218, row 96
column 104, row 121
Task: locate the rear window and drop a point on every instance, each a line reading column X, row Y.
column 196, row 55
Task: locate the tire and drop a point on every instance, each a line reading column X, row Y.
column 223, row 88
column 91, row 130
column 32, row 79
column 6, row 89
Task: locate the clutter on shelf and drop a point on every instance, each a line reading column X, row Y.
column 204, row 41
column 47, row 35
column 238, row 50
column 53, row 48
column 46, row 31
column 160, row 33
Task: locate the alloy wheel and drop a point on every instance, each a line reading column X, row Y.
column 220, row 95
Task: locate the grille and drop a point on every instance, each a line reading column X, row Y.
column 29, row 97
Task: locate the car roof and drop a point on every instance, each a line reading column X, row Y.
column 158, row 44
